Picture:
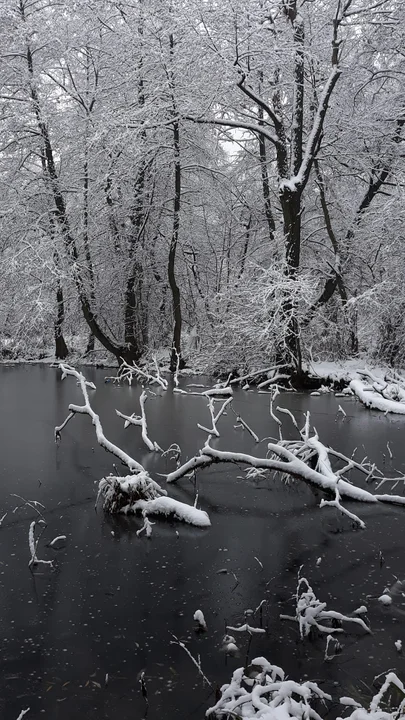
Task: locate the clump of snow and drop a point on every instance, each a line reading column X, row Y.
column 398, row 645
column 360, row 610
column 349, row 702
column 200, row 619
column 139, row 493
column 229, row 645
column 168, row 506
column 385, row 599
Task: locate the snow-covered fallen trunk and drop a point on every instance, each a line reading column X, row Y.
column 169, row 506
column 373, row 399
column 307, row 459
column 289, row 464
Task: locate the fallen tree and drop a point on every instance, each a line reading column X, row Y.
column 386, row 394
column 307, row 459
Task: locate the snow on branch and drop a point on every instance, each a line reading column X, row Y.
column 307, row 459
column 86, row 409
column 197, row 662
column 216, row 394
column 33, row 544
column 140, row 494
column 214, row 415
column 218, row 391
column 311, row 613
column 129, row 372
column 140, row 421
column 387, row 395
column 246, row 628
column 261, row 691
column 22, row 713
column 299, row 181
column 250, row 375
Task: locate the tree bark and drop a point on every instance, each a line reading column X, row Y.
column 61, row 350
column 175, row 356
column 177, row 318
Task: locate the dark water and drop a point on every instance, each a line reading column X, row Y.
column 115, row 600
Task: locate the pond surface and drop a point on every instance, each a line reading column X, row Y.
column 115, row 600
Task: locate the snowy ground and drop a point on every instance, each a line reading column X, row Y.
column 343, row 370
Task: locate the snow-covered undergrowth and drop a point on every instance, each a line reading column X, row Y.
column 136, row 493
column 261, row 691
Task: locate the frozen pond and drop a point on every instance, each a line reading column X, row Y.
column 115, row 600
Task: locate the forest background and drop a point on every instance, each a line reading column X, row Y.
column 222, row 180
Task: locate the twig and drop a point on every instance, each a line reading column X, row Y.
column 176, row 641
column 22, row 713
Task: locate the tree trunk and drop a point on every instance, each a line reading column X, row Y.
column 134, row 334
column 291, row 207
column 61, row 350
column 176, row 346
column 61, row 217
column 175, row 356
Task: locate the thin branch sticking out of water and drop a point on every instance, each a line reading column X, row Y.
column 197, row 663
column 33, row 544
column 140, row 421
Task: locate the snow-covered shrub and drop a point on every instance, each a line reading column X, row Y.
column 250, row 320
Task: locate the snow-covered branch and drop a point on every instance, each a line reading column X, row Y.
column 33, row 544
column 387, row 395
column 307, row 459
column 86, row 409
column 311, row 613
column 140, row 421
column 129, row 372
column 215, row 415
column 261, row 691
